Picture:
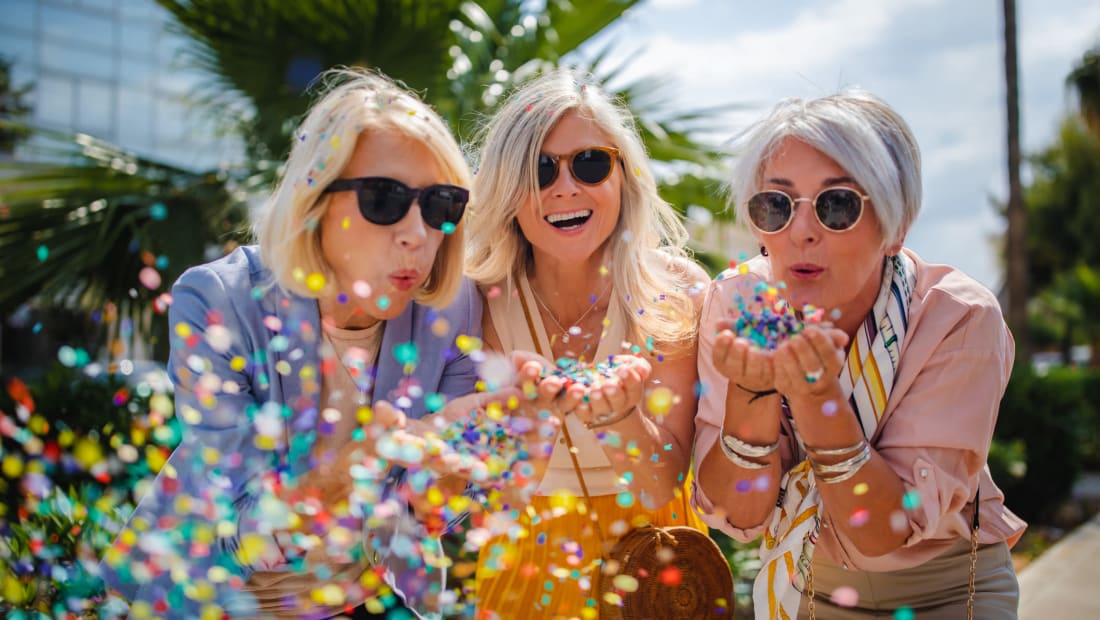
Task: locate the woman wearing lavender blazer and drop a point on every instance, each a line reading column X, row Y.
column 282, row 499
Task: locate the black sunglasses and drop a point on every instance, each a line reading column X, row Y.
column 837, row 208
column 385, row 201
column 590, row 165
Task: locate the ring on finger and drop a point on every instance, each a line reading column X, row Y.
column 815, row 376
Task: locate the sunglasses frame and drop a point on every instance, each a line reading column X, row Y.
column 863, row 198
column 414, row 193
column 572, row 158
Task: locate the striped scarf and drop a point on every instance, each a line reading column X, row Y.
column 868, row 377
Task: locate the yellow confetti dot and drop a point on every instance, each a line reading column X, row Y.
column 66, row 438
column 365, row 415
column 468, row 344
column 659, row 402
column 494, row 412
column 183, row 330
column 238, row 363
column 434, row 496
column 212, row 612
column 12, row 466
column 283, row 367
column 87, row 452
column 252, row 548
column 626, row 583
column 589, row 613
column 345, row 223
column 154, row 458
column 604, row 270
column 298, row 274
column 860, row 489
column 335, row 142
column 513, row 403
column 162, row 404
column 330, row 594
column 458, row 503
column 742, row 269
column 265, row 442
column 202, row 591
column 315, row 282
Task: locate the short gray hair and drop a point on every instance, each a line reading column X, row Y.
column 860, row 132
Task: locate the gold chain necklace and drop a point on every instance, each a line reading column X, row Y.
column 567, row 332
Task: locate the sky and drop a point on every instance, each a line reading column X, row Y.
column 938, row 62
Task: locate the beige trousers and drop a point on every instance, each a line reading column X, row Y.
column 935, row 590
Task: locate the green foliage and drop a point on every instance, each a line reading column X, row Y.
column 1046, row 417
column 13, row 106
column 1085, row 80
column 73, row 452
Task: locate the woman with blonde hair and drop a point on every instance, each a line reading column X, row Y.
column 280, row 501
column 580, row 260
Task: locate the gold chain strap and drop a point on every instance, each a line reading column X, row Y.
column 810, row 590
column 973, row 570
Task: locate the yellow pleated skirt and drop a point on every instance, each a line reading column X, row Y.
column 547, row 570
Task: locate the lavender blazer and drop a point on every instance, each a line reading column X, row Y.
column 232, row 384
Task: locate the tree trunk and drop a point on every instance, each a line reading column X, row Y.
column 1015, row 250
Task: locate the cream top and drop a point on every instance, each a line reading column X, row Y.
column 518, row 323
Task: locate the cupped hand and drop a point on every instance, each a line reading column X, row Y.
column 741, row 362
column 617, row 395
column 808, row 364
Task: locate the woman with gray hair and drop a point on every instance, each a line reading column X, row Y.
column 581, row 261
column 850, row 388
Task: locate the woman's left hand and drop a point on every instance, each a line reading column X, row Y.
column 619, row 395
column 807, row 365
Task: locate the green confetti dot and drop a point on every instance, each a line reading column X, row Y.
column 625, row 499
column 903, row 613
column 405, row 353
column 447, row 228
column 434, row 402
column 383, row 302
column 43, row 253
column 911, row 500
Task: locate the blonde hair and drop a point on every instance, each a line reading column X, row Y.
column 351, row 102
column 647, row 239
column 857, row 130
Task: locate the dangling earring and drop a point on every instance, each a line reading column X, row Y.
column 763, row 251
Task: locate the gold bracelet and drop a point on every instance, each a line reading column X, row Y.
column 609, row 419
column 740, row 461
column 748, row 450
column 836, row 451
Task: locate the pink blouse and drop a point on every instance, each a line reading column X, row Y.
column 935, row 433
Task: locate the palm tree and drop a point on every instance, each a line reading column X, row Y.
column 1085, row 80
column 1016, row 255
column 92, row 210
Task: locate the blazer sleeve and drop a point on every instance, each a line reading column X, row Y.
column 199, row 514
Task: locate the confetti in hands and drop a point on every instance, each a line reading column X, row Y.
column 766, row 319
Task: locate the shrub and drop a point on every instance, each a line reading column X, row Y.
column 1045, row 415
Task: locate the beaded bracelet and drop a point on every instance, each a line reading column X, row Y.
column 747, row 449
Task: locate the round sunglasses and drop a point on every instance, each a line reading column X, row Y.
column 590, row 165
column 385, row 201
column 837, row 208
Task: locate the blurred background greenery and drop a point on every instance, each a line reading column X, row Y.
column 92, row 236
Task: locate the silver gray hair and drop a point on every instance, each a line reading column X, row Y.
column 860, row 132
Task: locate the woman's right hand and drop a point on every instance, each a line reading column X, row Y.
column 742, row 362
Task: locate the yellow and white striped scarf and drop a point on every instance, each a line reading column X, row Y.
column 867, row 378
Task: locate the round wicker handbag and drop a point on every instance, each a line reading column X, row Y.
column 670, row 572
column 655, row 572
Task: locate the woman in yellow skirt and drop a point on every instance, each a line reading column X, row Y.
column 579, row 260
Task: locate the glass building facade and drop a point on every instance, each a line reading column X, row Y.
column 111, row 69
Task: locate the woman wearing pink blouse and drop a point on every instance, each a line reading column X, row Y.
column 857, row 446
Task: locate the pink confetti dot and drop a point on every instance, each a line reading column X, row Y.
column 845, row 596
column 860, row 517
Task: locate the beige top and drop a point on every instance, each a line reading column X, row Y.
column 287, row 594
column 515, row 317
column 938, row 423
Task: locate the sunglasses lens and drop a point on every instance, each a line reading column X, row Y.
column 548, row 170
column 440, row 204
column 839, row 209
column 384, row 201
column 592, row 166
column 770, row 211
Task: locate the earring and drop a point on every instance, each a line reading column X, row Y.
column 763, row 251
